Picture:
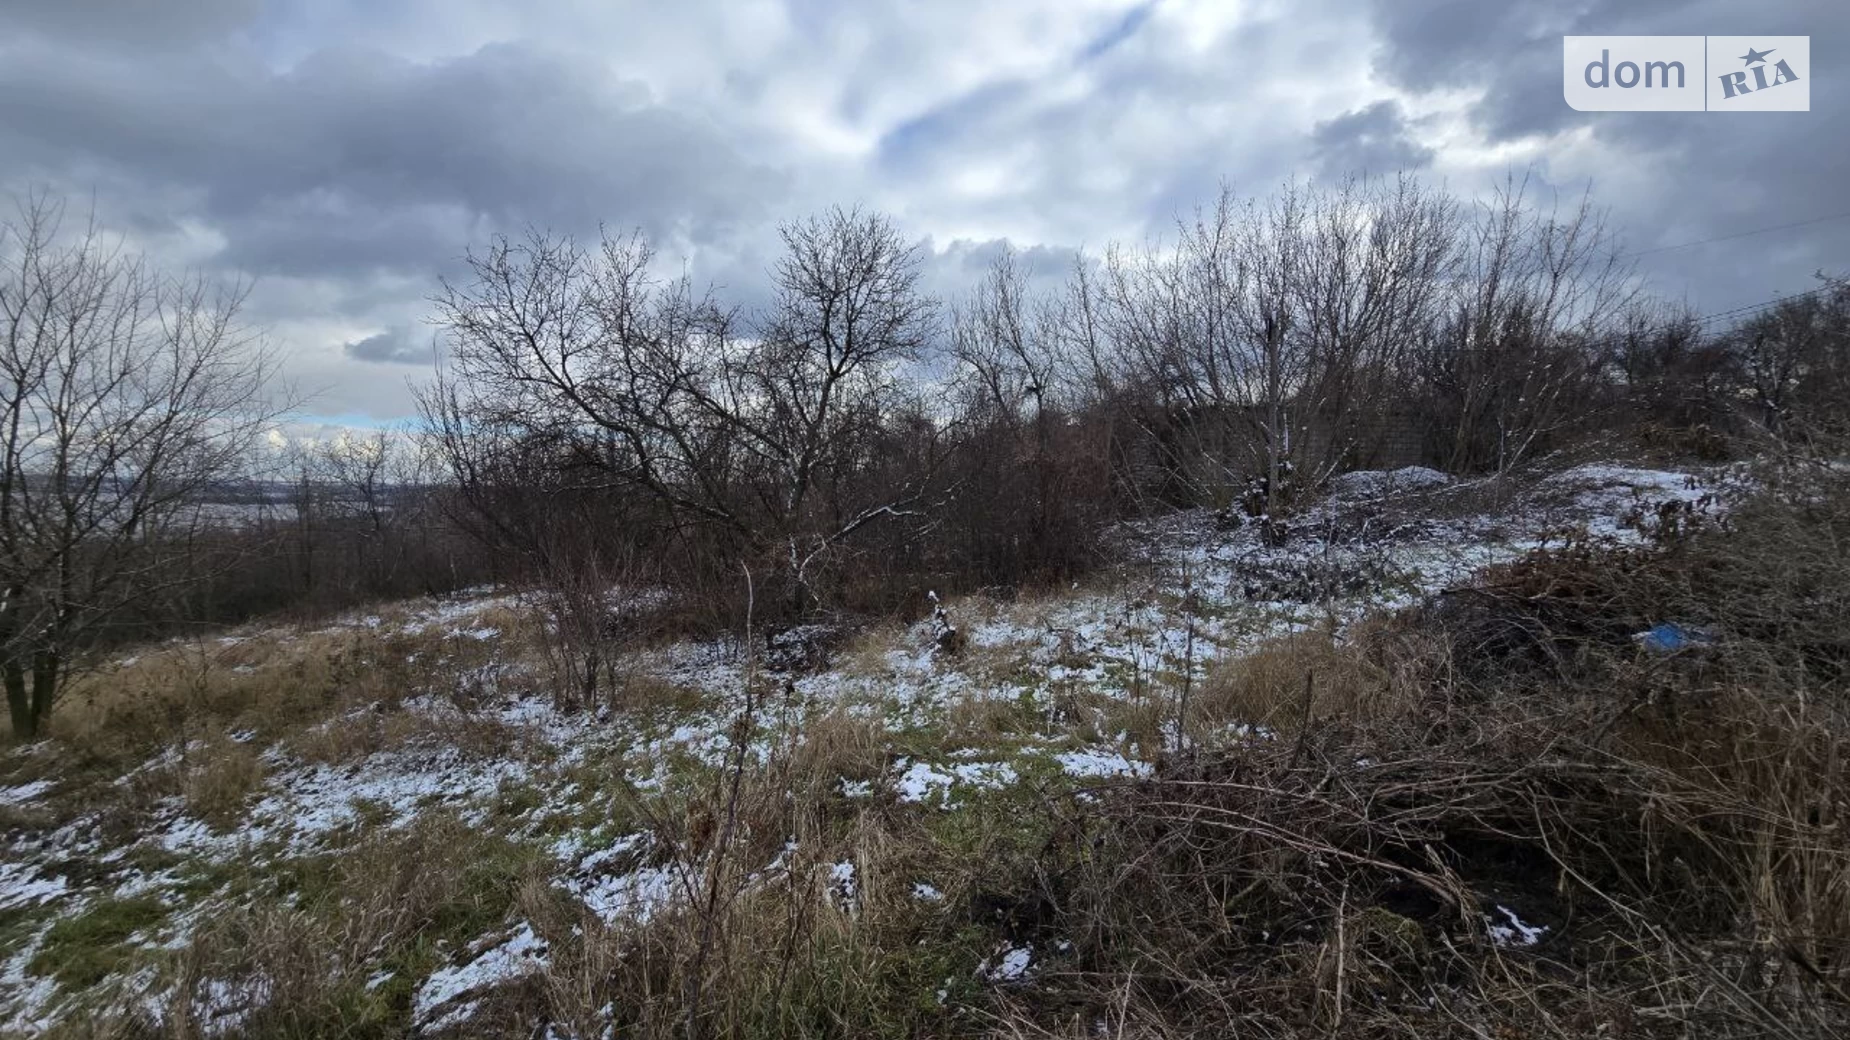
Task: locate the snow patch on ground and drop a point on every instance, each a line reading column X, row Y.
column 23, row 793
column 1373, row 482
column 932, row 784
column 1514, row 932
column 304, row 804
column 844, row 885
column 1093, row 765
column 1011, row 965
column 21, row 884
column 521, row 954
column 617, row 895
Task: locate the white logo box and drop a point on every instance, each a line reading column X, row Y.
column 1686, row 73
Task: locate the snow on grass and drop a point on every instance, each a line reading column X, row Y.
column 450, row 613
column 919, row 781
column 520, row 954
column 1193, row 592
column 303, row 804
column 1377, row 483
column 1095, row 765
column 1514, row 933
column 844, row 885
column 1011, row 965
column 931, row 784
column 636, row 896
column 616, row 895
column 22, row 885
column 23, row 793
column 220, row 1006
column 1617, row 500
column 28, row 1003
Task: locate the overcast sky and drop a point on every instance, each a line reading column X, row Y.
column 345, row 153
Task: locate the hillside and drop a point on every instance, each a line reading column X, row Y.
column 382, row 825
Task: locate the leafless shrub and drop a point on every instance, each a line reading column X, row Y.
column 1518, row 351
column 1269, row 333
column 1792, row 364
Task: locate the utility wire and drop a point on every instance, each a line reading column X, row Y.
column 1738, row 234
column 1706, row 319
column 1776, row 301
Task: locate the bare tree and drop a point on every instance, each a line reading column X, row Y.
column 1008, row 345
column 1007, row 348
column 363, row 518
column 827, row 369
column 1794, row 362
column 124, row 394
column 1518, row 354
column 766, row 439
column 1265, row 333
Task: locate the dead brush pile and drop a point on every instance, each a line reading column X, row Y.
column 1540, row 826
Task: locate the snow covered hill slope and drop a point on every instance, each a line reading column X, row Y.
column 386, row 821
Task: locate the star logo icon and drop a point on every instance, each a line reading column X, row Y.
column 1752, row 56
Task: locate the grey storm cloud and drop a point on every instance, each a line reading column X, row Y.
column 952, row 269
column 1668, row 178
column 131, row 22
column 344, row 156
column 393, row 347
column 1372, row 140
column 356, row 159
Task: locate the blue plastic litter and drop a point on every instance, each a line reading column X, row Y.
column 1667, row 637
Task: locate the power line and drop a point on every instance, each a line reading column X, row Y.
column 1776, row 301
column 1706, row 319
column 1739, row 234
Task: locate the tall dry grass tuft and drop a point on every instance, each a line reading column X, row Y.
column 1294, row 680
column 219, row 777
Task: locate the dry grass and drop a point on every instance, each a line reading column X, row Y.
column 980, row 718
column 1298, row 679
column 1676, row 822
column 635, row 689
column 219, row 778
column 1098, row 717
column 768, row 939
column 335, row 945
column 866, row 652
column 275, row 685
column 834, row 747
column 356, row 734
column 789, row 952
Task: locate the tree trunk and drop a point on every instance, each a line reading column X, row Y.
column 45, row 675
column 19, row 706
column 587, row 695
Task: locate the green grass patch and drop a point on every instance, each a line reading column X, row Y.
column 84, row 949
